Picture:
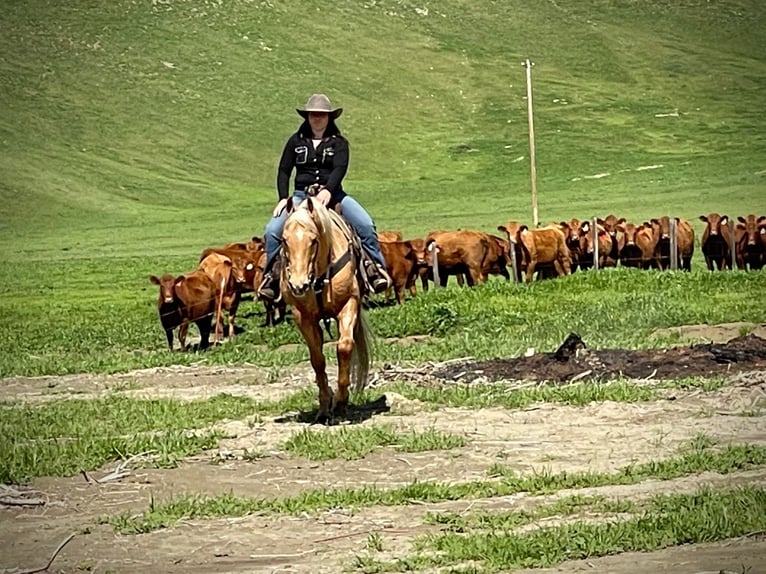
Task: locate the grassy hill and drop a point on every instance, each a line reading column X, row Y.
column 154, row 127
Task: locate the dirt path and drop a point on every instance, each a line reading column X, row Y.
column 597, row 437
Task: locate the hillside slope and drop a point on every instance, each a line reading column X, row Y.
column 147, row 124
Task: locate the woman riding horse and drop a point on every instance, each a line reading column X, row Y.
column 319, row 281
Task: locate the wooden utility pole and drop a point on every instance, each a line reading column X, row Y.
column 532, row 169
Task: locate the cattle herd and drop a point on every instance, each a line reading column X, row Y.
column 224, row 274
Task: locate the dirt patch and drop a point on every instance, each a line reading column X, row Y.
column 600, row 437
column 575, row 359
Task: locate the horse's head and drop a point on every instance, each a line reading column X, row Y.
column 304, row 246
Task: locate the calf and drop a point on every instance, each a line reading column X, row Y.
column 419, row 247
column 473, row 253
column 572, row 230
column 607, row 248
column 403, row 263
column 684, row 242
column 636, row 245
column 539, row 246
column 183, row 299
column 610, row 224
column 221, row 269
column 389, row 235
column 750, row 245
column 716, row 241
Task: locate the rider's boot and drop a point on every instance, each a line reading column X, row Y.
column 377, row 276
column 268, row 290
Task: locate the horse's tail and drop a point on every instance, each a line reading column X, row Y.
column 361, row 355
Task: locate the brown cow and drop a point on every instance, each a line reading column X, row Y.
column 716, row 241
column 750, row 247
column 572, row 232
column 227, row 275
column 183, row 299
column 684, row 242
column 389, row 236
column 636, row 246
column 610, row 224
column 539, row 246
column 473, row 253
column 403, row 262
column 419, row 247
column 607, row 248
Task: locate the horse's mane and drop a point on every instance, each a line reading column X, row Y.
column 320, row 216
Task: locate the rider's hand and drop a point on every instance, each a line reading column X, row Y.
column 280, row 207
column 324, row 196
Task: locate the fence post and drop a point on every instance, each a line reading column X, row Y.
column 673, row 245
column 435, row 263
column 532, row 168
column 514, row 260
column 595, row 244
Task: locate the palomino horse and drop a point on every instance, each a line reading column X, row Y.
column 319, row 281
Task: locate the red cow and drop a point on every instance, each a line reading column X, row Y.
column 716, row 241
column 419, row 247
column 539, row 246
column 606, row 248
column 636, row 245
column 403, row 263
column 684, row 242
column 389, row 235
column 473, row 253
column 610, row 224
column 183, row 299
column 227, row 275
column 572, row 232
column 750, row 245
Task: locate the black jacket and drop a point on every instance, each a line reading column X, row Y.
column 325, row 165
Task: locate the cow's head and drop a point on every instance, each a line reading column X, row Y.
column 752, row 228
column 167, row 285
column 715, row 223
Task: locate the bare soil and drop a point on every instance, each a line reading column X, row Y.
column 598, row 437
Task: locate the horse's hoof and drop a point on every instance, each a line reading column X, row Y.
column 339, row 409
column 323, row 419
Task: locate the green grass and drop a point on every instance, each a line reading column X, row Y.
column 59, row 318
column 668, row 520
column 355, row 442
column 118, row 163
column 62, row 438
column 166, row 513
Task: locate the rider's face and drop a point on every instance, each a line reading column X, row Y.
column 319, row 121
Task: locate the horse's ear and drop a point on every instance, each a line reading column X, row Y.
column 310, row 204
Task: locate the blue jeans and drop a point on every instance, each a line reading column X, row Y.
column 353, row 212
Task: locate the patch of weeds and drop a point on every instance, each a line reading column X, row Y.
column 667, row 520
column 374, row 542
column 729, row 459
column 705, row 384
column 690, row 461
column 499, row 395
column 62, row 438
column 430, row 439
column 354, row 442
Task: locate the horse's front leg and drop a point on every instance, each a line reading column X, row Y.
column 347, row 319
column 312, row 334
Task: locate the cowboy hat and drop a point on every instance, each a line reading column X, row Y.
column 319, row 103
